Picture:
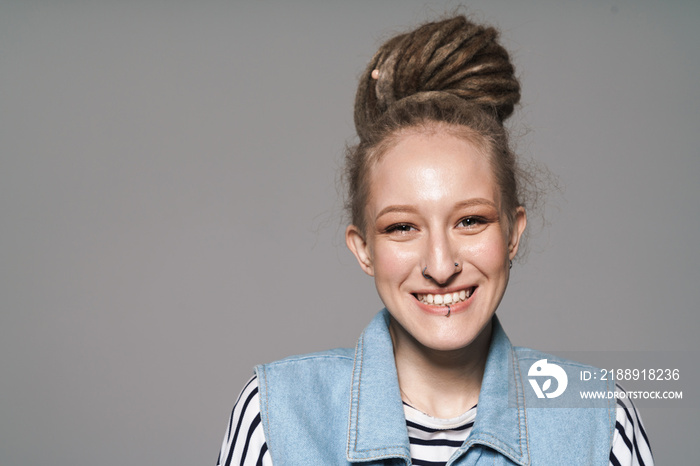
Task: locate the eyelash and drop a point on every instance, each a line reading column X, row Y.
column 399, row 228
column 477, row 221
column 403, row 228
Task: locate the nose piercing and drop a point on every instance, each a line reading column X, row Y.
column 427, row 276
column 448, row 311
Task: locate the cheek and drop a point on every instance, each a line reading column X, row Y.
column 392, row 262
column 487, row 254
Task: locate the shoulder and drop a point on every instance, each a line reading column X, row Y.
column 529, row 354
column 582, row 422
column 572, row 377
column 244, row 441
column 312, row 358
column 553, row 381
column 293, row 379
column 630, row 442
column 301, row 369
column 306, row 397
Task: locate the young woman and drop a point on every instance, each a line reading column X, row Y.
column 437, row 213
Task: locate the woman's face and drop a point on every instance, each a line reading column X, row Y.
column 434, row 206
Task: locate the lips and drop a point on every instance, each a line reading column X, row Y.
column 445, row 299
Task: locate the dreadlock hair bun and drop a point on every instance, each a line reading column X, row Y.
column 449, row 76
column 454, row 56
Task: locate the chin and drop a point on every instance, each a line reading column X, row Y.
column 451, row 344
column 449, row 337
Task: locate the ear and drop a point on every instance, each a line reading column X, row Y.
column 516, row 231
column 358, row 246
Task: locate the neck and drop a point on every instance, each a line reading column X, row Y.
column 442, row 384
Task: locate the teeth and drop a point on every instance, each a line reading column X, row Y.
column 448, row 298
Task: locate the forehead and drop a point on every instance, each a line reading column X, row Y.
column 433, row 168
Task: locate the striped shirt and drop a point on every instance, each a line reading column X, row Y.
column 432, row 441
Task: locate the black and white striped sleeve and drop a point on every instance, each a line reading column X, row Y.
column 630, row 442
column 244, row 443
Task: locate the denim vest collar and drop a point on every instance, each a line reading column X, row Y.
column 377, row 427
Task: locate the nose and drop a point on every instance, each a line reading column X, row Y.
column 441, row 262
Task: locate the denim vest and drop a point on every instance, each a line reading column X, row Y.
column 341, row 407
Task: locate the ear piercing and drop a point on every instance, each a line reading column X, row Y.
column 510, row 264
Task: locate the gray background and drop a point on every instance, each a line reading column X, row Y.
column 170, row 214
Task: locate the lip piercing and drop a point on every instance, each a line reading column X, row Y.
column 448, row 311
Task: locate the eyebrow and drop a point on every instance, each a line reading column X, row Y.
column 395, row 208
column 475, row 202
column 479, row 201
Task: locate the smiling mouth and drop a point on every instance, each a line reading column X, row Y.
column 445, row 299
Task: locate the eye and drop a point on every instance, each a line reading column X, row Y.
column 471, row 222
column 399, row 228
